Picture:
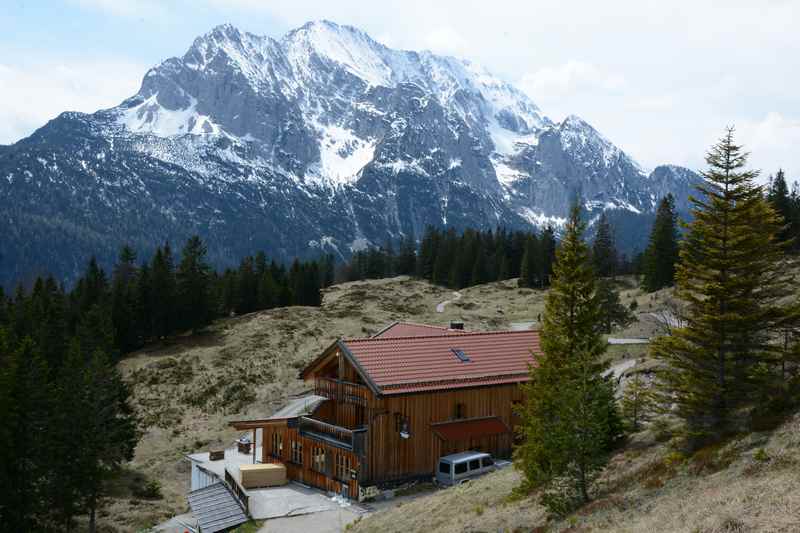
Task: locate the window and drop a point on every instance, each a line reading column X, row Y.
column 475, row 464
column 297, row 452
column 318, row 459
column 277, row 445
column 444, row 468
column 342, row 467
column 487, row 461
column 461, row 411
column 461, row 468
column 459, row 353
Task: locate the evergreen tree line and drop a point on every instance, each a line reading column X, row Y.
column 66, row 423
column 657, row 265
column 138, row 303
column 730, row 364
column 457, row 260
column 787, row 204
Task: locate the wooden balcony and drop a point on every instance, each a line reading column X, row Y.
column 348, row 439
column 341, row 391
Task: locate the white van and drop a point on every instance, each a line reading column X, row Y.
column 459, row 467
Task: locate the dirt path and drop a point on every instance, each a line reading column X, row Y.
column 440, row 307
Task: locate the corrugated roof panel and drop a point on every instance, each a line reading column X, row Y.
column 215, row 508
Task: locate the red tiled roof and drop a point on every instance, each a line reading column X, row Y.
column 396, row 365
column 471, row 428
column 409, row 329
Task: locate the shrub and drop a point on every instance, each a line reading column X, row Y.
column 150, row 490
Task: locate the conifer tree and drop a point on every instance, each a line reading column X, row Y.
column 144, row 302
column 546, row 256
column 662, row 250
column 528, row 273
column 604, row 251
column 108, row 429
column 637, row 403
column 612, row 313
column 247, row 299
column 124, row 302
column 732, row 275
column 162, row 305
column 569, row 416
column 25, row 410
column 193, row 285
column 779, row 196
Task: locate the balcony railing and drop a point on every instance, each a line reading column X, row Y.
column 349, row 439
column 341, row 391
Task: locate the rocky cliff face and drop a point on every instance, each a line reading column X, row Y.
column 324, row 140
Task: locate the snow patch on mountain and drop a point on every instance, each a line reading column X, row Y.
column 541, row 220
column 151, row 117
column 342, row 155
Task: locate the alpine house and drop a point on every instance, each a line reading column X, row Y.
column 385, row 408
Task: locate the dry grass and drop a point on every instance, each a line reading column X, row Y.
column 188, row 390
column 647, row 488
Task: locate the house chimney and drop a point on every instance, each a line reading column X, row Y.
column 456, row 325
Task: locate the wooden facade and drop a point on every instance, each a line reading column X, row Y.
column 359, row 438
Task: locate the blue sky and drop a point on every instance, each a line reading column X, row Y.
column 660, row 79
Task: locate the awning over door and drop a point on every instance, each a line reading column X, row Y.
column 470, row 428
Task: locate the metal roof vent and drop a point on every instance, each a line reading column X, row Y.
column 456, row 325
column 460, row 354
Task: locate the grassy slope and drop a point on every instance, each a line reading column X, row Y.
column 189, row 389
column 734, row 488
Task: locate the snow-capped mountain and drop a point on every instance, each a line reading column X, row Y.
column 322, row 140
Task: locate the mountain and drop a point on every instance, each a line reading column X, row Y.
column 324, row 140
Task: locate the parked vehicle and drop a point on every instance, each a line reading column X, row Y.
column 460, row 467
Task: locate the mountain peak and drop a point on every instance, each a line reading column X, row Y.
column 326, row 131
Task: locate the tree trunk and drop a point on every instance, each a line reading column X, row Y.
column 92, row 515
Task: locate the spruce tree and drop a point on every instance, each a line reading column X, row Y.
column 604, row 251
column 662, row 250
column 546, row 256
column 732, row 275
column 194, row 286
column 25, row 439
column 162, row 305
column 108, row 428
column 637, row 402
column 778, row 195
column 569, row 416
column 124, row 301
column 528, row 271
column 612, row 313
column 407, row 257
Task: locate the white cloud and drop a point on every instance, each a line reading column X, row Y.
column 773, row 142
column 445, row 40
column 34, row 93
column 660, row 79
column 573, row 76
